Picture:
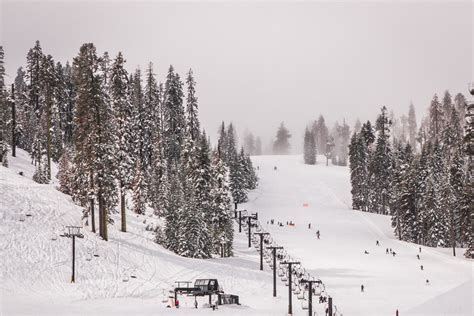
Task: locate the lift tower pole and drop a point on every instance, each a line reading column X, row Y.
column 261, row 247
column 274, row 250
column 290, row 265
column 310, row 296
column 73, row 232
column 249, row 218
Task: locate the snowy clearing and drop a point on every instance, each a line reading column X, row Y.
column 36, row 264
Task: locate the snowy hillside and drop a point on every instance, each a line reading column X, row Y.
column 320, row 195
column 36, row 263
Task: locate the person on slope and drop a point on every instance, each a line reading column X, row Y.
column 377, row 243
column 362, row 288
column 318, row 234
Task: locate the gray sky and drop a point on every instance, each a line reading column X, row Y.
column 261, row 63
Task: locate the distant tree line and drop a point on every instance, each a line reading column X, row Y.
column 421, row 177
column 318, row 139
column 115, row 133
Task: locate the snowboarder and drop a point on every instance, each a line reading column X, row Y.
column 394, row 253
column 377, row 243
column 427, row 282
column 362, row 288
column 366, row 252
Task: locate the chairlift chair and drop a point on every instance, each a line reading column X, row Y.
column 300, row 295
column 304, row 304
column 89, row 257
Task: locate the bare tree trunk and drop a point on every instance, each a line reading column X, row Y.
column 122, row 208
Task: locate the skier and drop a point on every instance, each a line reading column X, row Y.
column 394, row 253
column 309, row 226
column 386, row 251
column 366, row 252
column 377, row 243
column 275, row 168
column 427, row 282
column 418, row 256
column 419, row 249
column 177, row 303
column 362, row 288
column 318, row 234
column 421, row 267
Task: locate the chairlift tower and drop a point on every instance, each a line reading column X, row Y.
column 261, row 247
column 274, row 250
column 253, row 216
column 310, row 296
column 290, row 265
column 73, row 232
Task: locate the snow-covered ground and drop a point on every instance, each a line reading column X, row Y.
column 35, row 263
column 320, row 195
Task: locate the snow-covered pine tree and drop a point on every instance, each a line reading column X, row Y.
column 192, row 121
column 281, row 146
column 321, row 133
column 3, row 113
column 64, row 173
column 358, row 162
column 309, row 148
column 223, row 229
column 173, row 115
column 173, row 210
column 122, row 116
column 152, row 118
column 138, row 197
column 380, row 166
column 434, row 215
column 93, row 161
column 447, row 106
column 468, row 195
column 436, row 119
column 34, row 61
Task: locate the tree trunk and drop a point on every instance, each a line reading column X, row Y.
column 122, row 208
column 48, row 132
column 13, row 122
column 92, row 204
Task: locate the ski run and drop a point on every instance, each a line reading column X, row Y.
column 132, row 275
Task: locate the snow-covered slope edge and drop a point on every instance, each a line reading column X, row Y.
column 35, row 262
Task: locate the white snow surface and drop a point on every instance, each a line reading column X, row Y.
column 35, row 263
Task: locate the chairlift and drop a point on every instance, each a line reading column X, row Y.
column 88, row 257
column 125, row 278
column 300, row 295
column 133, row 275
column 164, row 297
column 297, row 290
column 304, row 304
column 284, row 279
column 281, row 273
column 22, row 217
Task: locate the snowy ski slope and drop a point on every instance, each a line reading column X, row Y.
column 35, row 269
column 320, row 195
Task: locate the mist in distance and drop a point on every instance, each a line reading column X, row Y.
column 258, row 64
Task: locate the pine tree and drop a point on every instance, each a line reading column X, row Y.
column 152, row 118
column 64, row 174
column 3, row 113
column 468, row 192
column 138, row 197
column 281, row 146
column 380, row 166
column 358, row 161
column 436, row 119
column 173, row 211
column 320, row 132
column 223, row 231
column 173, row 114
column 412, row 126
column 309, row 148
column 192, row 121
column 123, row 136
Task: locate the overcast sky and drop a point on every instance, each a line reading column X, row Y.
column 261, row 63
